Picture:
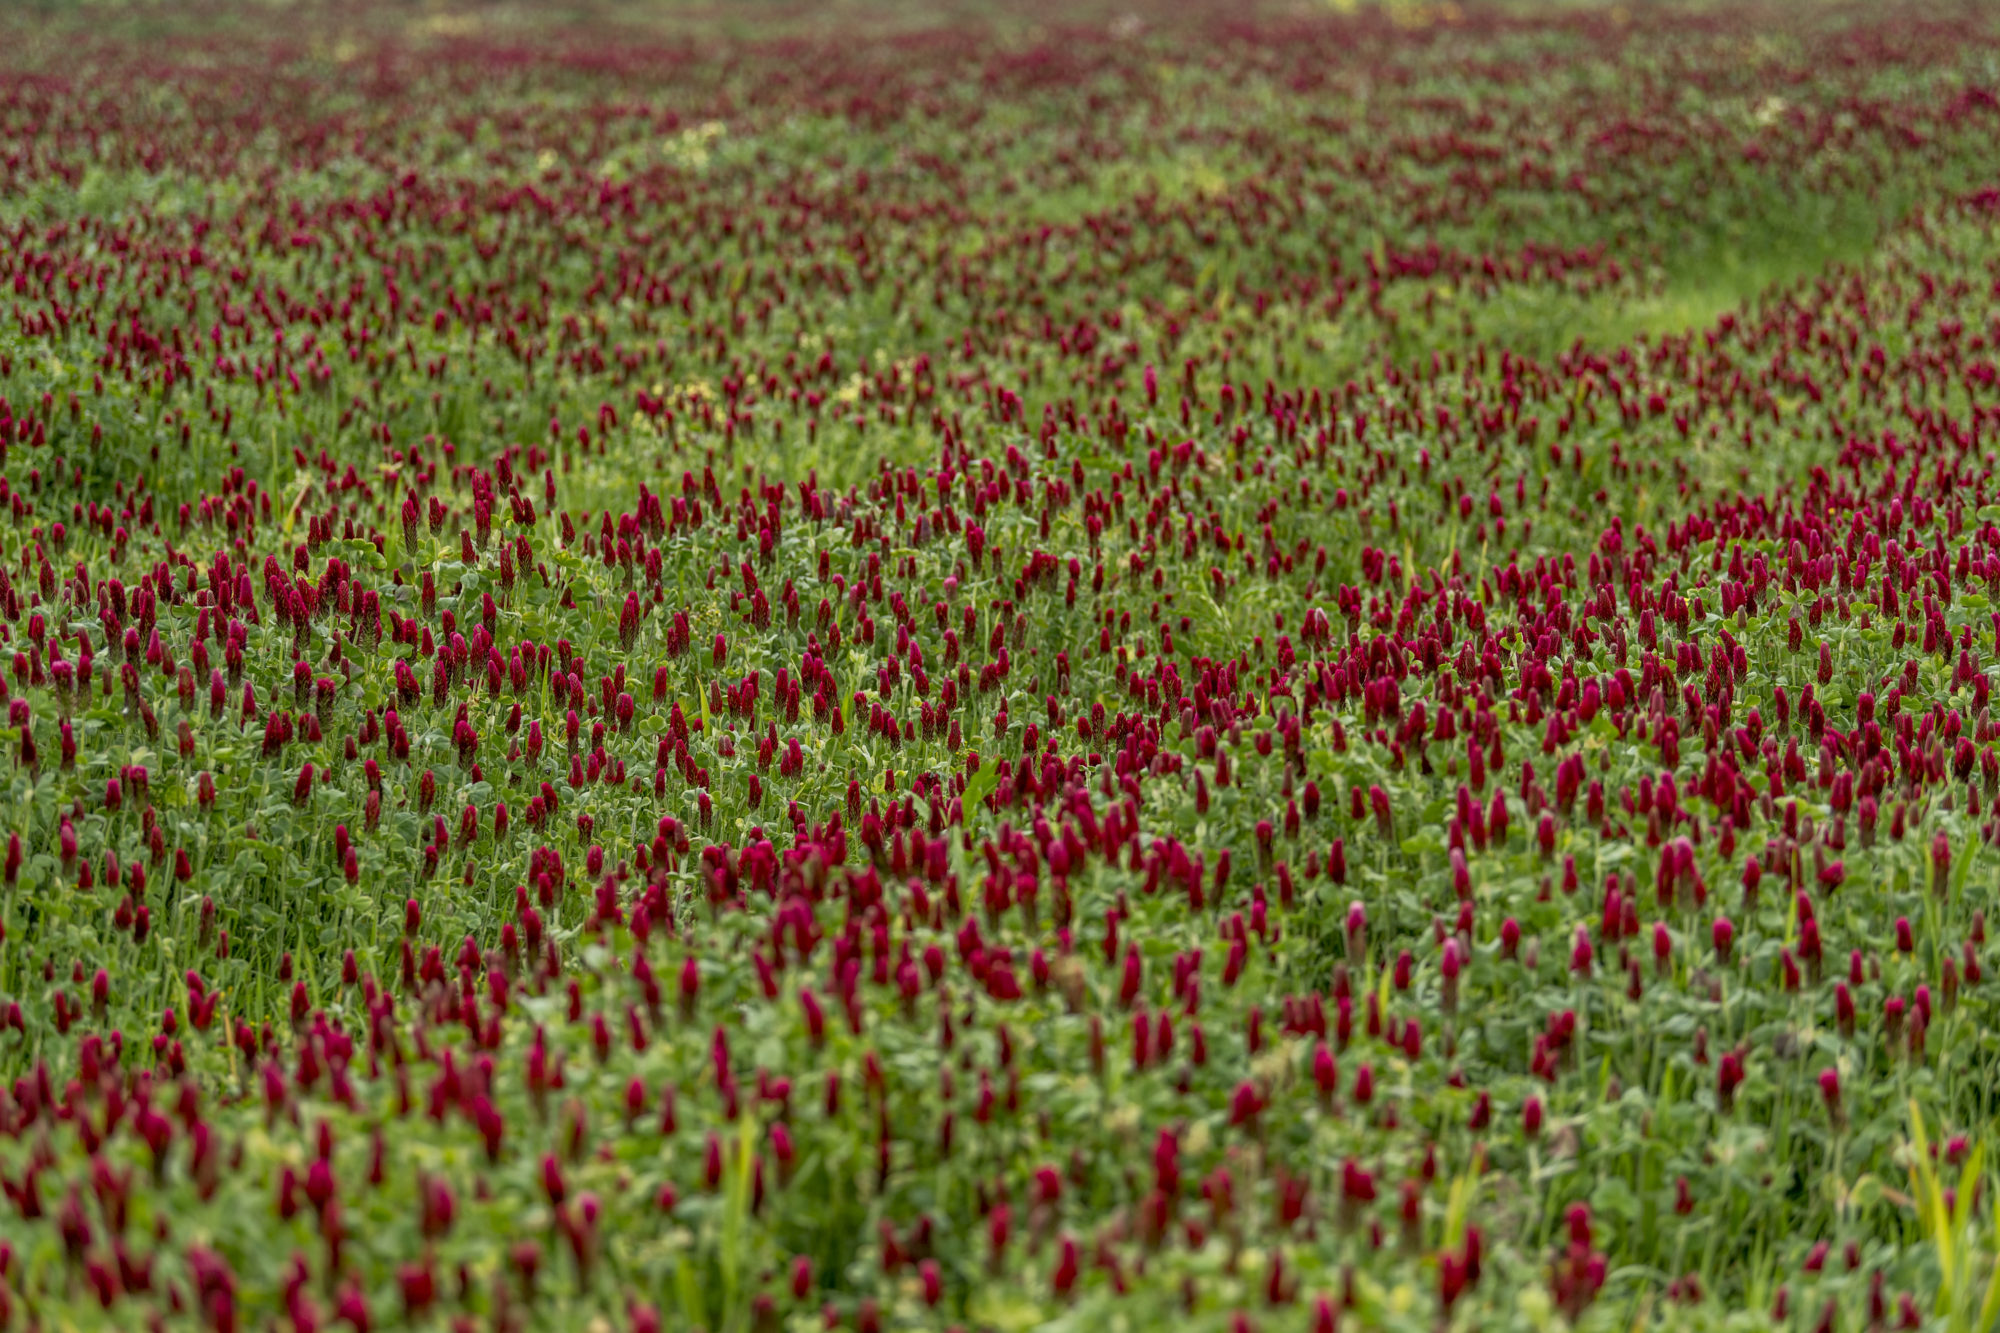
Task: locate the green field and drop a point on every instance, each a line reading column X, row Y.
column 769, row 668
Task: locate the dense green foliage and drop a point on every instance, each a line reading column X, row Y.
column 1280, row 669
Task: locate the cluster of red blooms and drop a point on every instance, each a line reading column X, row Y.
column 779, row 683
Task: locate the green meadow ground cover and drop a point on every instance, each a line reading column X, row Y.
column 1294, row 668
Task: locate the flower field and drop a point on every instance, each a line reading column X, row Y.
column 1201, row 666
